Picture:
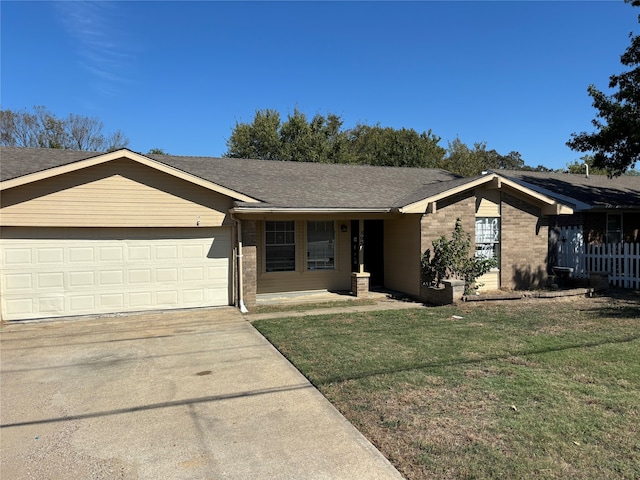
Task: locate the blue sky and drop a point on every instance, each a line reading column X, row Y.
column 178, row 75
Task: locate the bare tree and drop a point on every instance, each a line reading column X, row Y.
column 43, row 129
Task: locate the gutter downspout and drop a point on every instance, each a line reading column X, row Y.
column 243, row 309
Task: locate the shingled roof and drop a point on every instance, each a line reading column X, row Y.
column 276, row 184
column 585, row 193
column 300, row 185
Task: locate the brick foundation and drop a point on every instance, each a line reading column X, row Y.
column 360, row 284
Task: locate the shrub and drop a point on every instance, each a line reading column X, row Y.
column 453, row 259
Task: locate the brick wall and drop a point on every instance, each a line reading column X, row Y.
column 443, row 221
column 524, row 245
column 249, row 262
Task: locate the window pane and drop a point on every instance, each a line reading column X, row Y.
column 487, row 237
column 280, row 258
column 614, row 228
column 280, row 248
column 320, row 245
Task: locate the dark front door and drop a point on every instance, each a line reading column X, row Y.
column 373, row 250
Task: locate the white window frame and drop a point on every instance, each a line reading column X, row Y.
column 321, row 254
column 281, row 236
column 488, row 236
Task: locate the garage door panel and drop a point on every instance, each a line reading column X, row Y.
column 193, row 274
column 112, row 301
column 139, row 253
column 16, row 282
column 140, row 299
column 51, row 305
column 194, row 296
column 50, row 255
column 81, row 303
column 140, row 276
column 167, row 275
column 108, row 273
column 167, row 252
column 112, row 277
column 81, row 254
column 50, row 280
column 193, row 251
column 18, row 307
column 17, row 256
column 82, row 279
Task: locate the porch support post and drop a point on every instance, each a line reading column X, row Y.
column 361, row 246
column 360, row 279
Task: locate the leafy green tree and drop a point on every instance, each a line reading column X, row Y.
column 386, row 146
column 259, row 139
column 322, row 139
column 468, row 162
column 578, row 166
column 157, row 151
column 43, row 129
column 318, row 140
column 616, row 141
column 511, row 161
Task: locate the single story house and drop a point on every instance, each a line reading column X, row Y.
column 607, row 209
column 86, row 233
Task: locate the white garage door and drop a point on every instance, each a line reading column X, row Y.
column 62, row 272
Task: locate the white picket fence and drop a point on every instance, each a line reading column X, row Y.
column 620, row 260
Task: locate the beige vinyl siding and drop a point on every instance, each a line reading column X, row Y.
column 115, row 194
column 402, row 254
column 302, row 279
column 488, row 205
column 489, row 281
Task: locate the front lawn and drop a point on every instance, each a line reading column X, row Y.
column 540, row 389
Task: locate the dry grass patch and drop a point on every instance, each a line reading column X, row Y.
column 511, row 390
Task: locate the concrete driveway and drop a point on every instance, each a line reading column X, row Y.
column 175, row 395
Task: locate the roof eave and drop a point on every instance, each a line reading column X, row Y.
column 306, row 210
column 550, row 206
column 421, row 205
column 124, row 153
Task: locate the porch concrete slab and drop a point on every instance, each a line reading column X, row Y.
column 177, row 395
column 382, row 303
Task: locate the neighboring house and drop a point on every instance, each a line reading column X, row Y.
column 603, row 234
column 86, row 233
column 607, row 209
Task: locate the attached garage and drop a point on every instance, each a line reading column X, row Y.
column 114, row 233
column 48, row 272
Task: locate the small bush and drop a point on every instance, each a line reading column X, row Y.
column 452, row 259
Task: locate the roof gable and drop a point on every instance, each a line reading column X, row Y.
column 431, row 194
column 289, row 186
column 54, row 164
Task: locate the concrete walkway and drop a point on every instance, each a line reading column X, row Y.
column 381, row 303
column 194, row 394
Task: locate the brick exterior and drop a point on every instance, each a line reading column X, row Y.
column 443, row 221
column 524, row 245
column 249, row 262
column 360, row 284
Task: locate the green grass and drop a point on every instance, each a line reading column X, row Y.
column 541, row 389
